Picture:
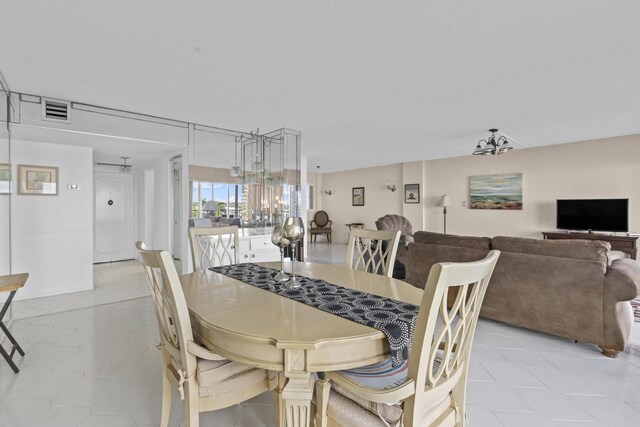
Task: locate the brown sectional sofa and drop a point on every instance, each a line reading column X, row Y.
column 568, row 288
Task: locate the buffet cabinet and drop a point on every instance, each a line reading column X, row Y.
column 257, row 249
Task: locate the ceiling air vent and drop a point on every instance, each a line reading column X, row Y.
column 56, row 111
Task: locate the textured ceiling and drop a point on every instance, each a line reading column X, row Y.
column 367, row 82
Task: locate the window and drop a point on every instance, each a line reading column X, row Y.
column 213, row 199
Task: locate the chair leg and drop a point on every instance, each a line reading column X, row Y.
column 459, row 394
column 323, row 387
column 191, row 404
column 166, row 390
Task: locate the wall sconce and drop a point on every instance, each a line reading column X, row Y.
column 328, row 192
column 391, row 188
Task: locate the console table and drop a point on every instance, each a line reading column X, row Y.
column 626, row 244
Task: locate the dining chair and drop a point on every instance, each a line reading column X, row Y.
column 206, row 381
column 430, row 388
column 373, row 251
column 213, row 246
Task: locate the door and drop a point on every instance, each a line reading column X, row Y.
column 114, row 216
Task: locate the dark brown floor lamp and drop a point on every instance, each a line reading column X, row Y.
column 445, row 203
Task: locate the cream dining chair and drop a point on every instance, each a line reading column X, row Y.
column 373, row 251
column 206, row 381
column 213, row 246
column 430, row 388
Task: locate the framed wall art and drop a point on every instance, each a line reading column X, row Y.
column 357, row 196
column 502, row 191
column 412, row 193
column 38, row 180
column 5, row 178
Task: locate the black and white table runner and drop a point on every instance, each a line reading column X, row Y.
column 395, row 319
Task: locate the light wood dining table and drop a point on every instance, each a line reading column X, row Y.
column 244, row 323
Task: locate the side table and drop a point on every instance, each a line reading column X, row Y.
column 11, row 284
column 351, row 226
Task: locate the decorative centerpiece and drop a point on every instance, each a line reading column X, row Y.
column 293, row 230
column 278, row 239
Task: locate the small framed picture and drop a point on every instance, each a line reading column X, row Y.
column 412, row 193
column 357, row 196
column 5, row 178
column 38, row 180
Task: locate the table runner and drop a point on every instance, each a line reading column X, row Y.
column 396, row 319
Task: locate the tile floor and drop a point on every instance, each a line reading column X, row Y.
column 115, row 281
column 97, row 366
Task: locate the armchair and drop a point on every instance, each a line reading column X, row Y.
column 397, row 223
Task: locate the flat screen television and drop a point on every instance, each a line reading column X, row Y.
column 593, row 214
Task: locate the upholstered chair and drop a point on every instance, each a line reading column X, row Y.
column 430, row 388
column 320, row 225
column 397, row 222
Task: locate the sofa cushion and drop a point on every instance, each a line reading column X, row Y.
column 590, row 250
column 428, row 238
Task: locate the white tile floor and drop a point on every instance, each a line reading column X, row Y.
column 97, row 366
column 117, row 281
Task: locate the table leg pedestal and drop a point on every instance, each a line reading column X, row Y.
column 298, row 391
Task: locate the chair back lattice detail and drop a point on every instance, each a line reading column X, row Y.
column 321, row 218
column 213, row 246
column 373, row 251
column 443, row 334
column 169, row 302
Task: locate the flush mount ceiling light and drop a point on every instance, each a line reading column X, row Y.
column 492, row 145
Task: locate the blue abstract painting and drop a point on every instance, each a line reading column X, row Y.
column 496, row 191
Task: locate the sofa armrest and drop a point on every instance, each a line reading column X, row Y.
column 623, row 279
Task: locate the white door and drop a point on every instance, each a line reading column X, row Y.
column 114, row 230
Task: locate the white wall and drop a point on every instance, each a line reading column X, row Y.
column 413, row 173
column 606, row 168
column 378, row 201
column 52, row 236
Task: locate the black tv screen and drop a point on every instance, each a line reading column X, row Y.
column 593, row 214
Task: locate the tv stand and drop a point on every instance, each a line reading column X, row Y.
column 627, row 244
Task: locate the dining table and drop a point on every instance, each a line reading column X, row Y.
column 263, row 329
